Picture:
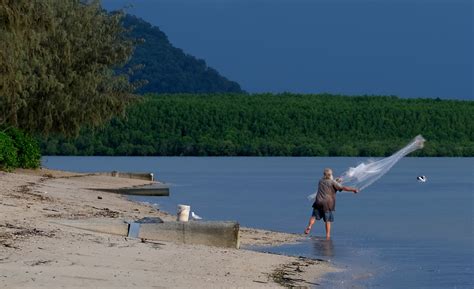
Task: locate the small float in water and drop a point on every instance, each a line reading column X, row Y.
column 421, row 179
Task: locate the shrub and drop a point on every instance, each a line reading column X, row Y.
column 28, row 151
column 8, row 152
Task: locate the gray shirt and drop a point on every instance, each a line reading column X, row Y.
column 326, row 196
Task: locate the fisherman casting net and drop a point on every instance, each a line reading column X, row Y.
column 370, row 171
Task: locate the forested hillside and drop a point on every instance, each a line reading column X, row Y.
column 168, row 69
column 278, row 125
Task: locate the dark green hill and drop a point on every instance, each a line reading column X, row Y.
column 279, row 125
column 168, row 69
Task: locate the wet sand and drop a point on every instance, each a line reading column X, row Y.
column 36, row 251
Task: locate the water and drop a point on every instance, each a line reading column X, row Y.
column 398, row 233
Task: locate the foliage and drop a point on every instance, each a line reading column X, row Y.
column 28, row 150
column 56, row 65
column 278, row 125
column 8, row 152
column 168, row 69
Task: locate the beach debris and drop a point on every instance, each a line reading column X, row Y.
column 51, row 209
column 9, row 205
column 289, row 275
column 143, row 240
column 99, row 197
column 9, row 233
column 106, row 212
column 39, row 262
column 26, row 192
column 421, row 179
column 32, row 232
column 195, row 217
column 9, row 245
column 154, row 244
column 4, row 259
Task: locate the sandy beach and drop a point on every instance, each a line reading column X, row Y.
column 37, row 251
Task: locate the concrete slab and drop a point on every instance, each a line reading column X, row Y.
column 138, row 176
column 155, row 190
column 219, row 234
column 107, row 226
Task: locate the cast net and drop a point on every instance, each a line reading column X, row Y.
column 370, row 171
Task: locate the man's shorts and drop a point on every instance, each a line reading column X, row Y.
column 320, row 214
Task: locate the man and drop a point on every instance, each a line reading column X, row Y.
column 325, row 202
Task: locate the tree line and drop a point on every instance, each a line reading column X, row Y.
column 277, row 125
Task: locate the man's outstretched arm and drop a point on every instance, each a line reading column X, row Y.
column 350, row 189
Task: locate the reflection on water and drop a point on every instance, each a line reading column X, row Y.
column 341, row 253
column 323, row 247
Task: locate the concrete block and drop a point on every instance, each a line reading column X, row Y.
column 218, row 234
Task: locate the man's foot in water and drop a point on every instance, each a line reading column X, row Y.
column 308, row 229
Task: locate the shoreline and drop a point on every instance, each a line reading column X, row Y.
column 36, row 251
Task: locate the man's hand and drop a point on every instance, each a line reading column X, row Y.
column 355, row 191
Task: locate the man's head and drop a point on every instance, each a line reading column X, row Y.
column 327, row 174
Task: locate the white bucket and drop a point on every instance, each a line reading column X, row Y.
column 183, row 213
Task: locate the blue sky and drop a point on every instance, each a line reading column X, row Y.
column 415, row 48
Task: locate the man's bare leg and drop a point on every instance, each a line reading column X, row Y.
column 328, row 230
column 310, row 225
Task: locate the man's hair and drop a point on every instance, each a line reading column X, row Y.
column 327, row 173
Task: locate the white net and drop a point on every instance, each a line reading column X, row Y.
column 370, row 171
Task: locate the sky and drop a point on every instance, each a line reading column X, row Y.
column 407, row 48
